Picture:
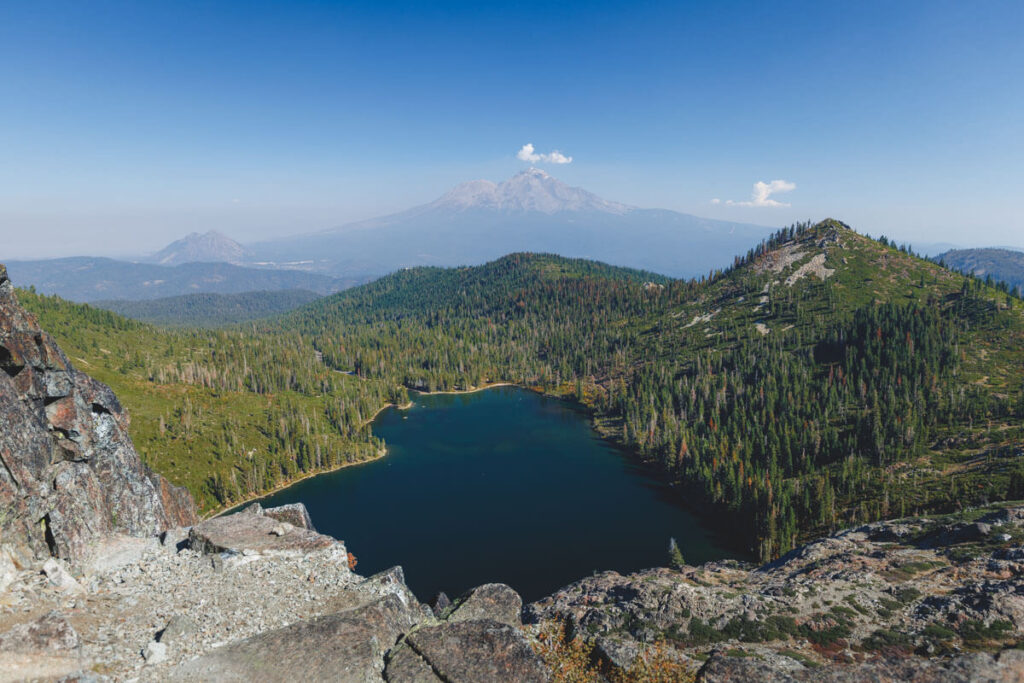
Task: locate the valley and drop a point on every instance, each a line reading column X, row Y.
column 825, row 379
column 529, row 467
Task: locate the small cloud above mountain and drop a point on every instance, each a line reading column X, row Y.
column 761, row 196
column 528, row 153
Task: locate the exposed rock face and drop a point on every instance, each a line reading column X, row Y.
column 870, row 603
column 348, row 646
column 1007, row 666
column 465, row 652
column 490, row 601
column 69, row 473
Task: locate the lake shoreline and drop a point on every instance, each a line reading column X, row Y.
column 484, row 387
column 309, row 475
column 605, row 430
column 458, row 465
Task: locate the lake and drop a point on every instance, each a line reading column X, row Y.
column 502, row 485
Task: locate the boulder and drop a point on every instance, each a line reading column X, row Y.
column 155, row 653
column 392, row 582
column 8, row 572
column 60, row 578
column 244, row 531
column 465, row 652
column 348, row 646
column 51, row 633
column 439, row 603
column 177, row 627
column 295, row 514
column 494, row 601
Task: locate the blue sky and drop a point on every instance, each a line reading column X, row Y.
column 124, row 125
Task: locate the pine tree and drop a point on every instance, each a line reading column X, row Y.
column 675, row 557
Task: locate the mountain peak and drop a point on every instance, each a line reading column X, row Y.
column 533, row 171
column 211, row 246
column 530, row 190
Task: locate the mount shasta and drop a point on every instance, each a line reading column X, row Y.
column 480, row 220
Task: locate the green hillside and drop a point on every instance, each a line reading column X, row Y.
column 228, row 413
column 208, row 309
column 825, row 379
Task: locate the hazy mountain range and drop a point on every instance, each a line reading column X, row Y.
column 1004, row 265
column 481, row 220
column 88, row 279
column 473, row 223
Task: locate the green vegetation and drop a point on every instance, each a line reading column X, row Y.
column 825, row 379
column 210, row 310
column 675, row 556
column 228, row 414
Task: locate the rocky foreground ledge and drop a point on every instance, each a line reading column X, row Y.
column 261, row 596
column 255, row 596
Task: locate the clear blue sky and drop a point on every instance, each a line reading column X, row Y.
column 126, row 124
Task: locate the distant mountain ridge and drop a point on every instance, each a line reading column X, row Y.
column 210, row 247
column 210, row 310
column 86, row 279
column 1004, row 265
column 471, row 224
column 480, row 221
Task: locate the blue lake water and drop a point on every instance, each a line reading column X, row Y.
column 500, row 485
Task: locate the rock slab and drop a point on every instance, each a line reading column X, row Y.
column 348, row 646
column 69, row 474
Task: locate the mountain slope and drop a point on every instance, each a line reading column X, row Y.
column 211, row 247
column 91, row 279
column 210, row 310
column 824, row 380
column 225, row 413
column 1002, row 265
column 480, row 221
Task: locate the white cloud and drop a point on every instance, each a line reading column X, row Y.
column 761, row 196
column 527, row 153
column 716, row 200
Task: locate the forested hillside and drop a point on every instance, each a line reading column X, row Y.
column 826, row 378
column 210, row 310
column 227, row 413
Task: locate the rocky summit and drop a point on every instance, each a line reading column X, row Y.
column 106, row 574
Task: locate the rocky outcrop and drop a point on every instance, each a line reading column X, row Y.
column 256, row 531
column 465, row 652
column 490, row 601
column 1006, row 666
column 295, row 514
column 47, row 647
column 887, row 601
column 347, row 646
column 69, row 474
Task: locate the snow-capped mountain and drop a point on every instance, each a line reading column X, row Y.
column 482, row 220
column 531, row 190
